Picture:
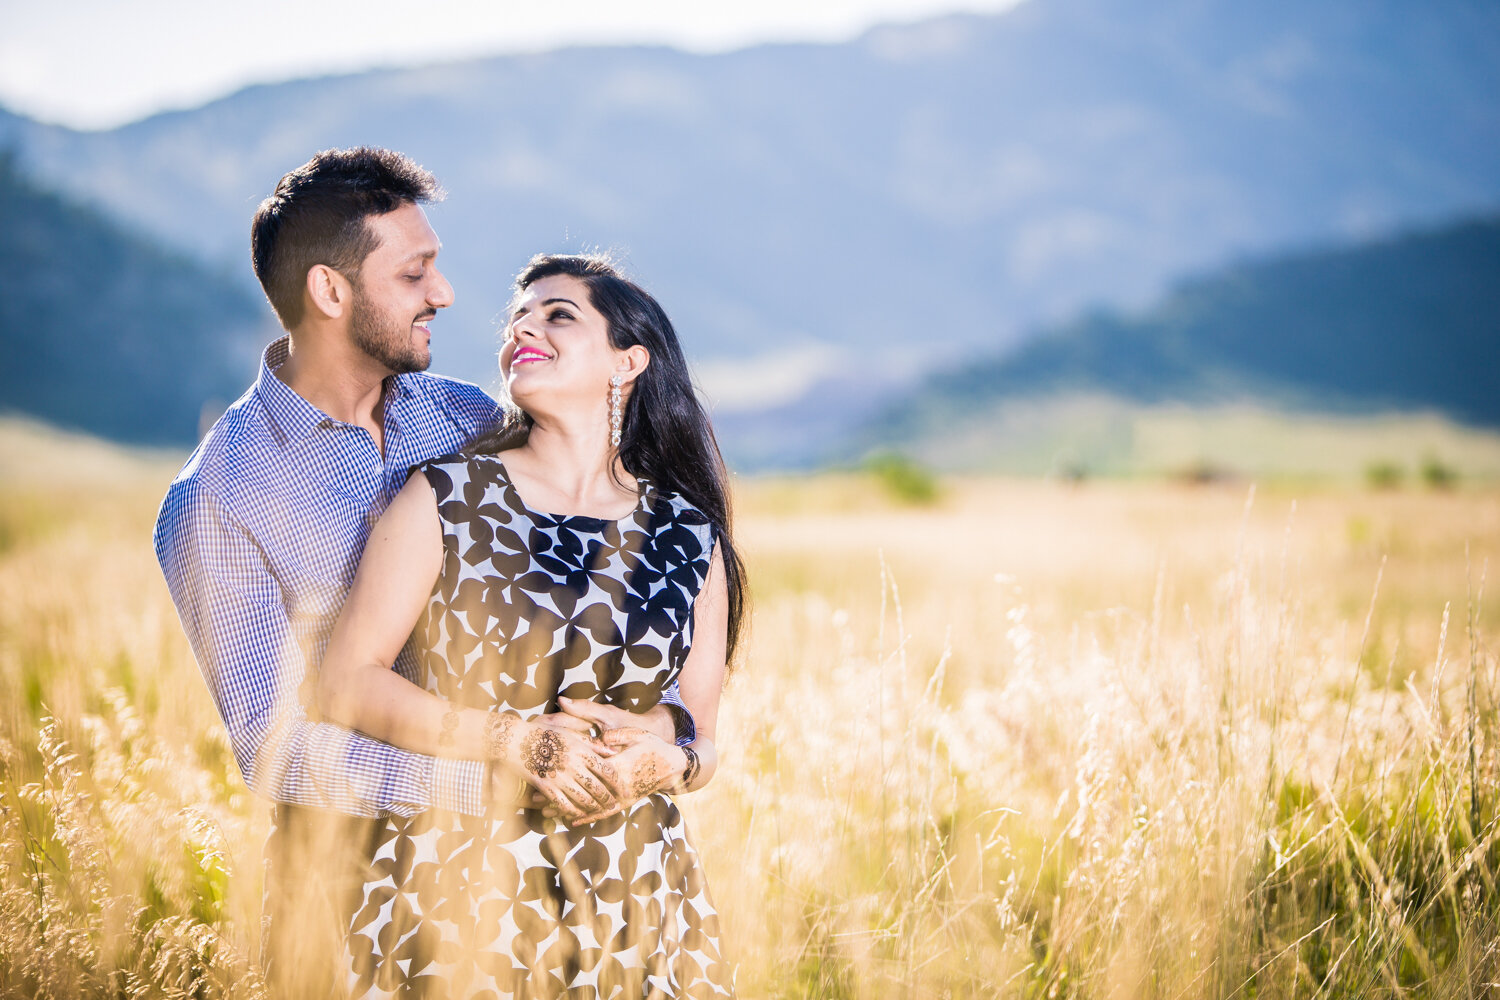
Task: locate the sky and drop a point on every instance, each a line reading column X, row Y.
column 101, row 63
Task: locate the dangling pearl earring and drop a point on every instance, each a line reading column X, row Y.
column 614, row 409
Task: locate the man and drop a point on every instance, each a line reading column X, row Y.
column 260, row 533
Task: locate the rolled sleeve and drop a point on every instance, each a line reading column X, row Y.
column 687, row 729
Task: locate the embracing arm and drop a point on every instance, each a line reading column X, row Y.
column 357, row 687
column 232, row 609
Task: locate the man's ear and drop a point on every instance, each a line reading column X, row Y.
column 631, row 362
column 328, row 292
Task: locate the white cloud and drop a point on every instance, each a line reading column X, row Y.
column 766, row 380
column 99, row 63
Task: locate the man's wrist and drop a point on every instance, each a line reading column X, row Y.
column 461, row 785
column 503, row 788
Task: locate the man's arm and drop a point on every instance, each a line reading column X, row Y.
column 233, row 612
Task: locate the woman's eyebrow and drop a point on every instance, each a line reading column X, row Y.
column 546, row 302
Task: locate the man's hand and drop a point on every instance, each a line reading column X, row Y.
column 507, row 790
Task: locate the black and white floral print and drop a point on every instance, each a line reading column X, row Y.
column 529, row 606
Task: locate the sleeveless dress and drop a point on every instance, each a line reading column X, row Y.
column 514, row 904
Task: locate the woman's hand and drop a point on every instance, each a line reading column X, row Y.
column 645, row 762
column 564, row 766
column 642, row 762
column 593, row 716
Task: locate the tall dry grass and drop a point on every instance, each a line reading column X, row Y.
column 1118, row 741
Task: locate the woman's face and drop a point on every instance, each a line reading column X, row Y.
column 557, row 353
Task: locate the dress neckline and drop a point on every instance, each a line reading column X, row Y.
column 643, row 503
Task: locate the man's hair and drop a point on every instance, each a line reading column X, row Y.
column 317, row 215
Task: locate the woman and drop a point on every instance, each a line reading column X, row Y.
column 631, row 584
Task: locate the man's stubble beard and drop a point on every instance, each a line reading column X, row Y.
column 382, row 339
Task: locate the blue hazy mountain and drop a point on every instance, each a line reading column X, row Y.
column 109, row 333
column 1406, row 324
column 827, row 222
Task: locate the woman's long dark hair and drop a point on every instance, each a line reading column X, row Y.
column 666, row 438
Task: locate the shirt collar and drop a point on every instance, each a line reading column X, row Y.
column 292, row 417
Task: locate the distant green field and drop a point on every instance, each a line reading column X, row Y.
column 1096, row 435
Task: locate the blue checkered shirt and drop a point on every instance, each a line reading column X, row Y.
column 259, row 537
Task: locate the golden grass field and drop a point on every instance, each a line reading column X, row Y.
column 1125, row 739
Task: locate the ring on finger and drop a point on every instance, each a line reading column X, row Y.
column 595, row 731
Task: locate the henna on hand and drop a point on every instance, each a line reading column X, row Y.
column 446, row 738
column 593, row 787
column 623, row 737
column 543, row 753
column 498, row 727
column 649, row 774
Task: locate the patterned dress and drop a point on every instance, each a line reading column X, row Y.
column 514, row 904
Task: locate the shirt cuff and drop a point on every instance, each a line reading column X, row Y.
column 682, row 719
column 460, row 785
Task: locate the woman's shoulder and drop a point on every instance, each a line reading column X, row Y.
column 445, row 472
column 460, row 460
column 681, row 510
column 453, row 462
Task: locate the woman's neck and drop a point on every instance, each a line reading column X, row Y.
column 571, row 470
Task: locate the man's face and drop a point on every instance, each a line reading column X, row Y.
column 398, row 290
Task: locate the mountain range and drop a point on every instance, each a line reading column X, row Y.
column 1408, row 324
column 829, row 223
column 108, row 332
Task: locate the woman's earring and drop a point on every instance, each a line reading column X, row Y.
column 614, row 408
